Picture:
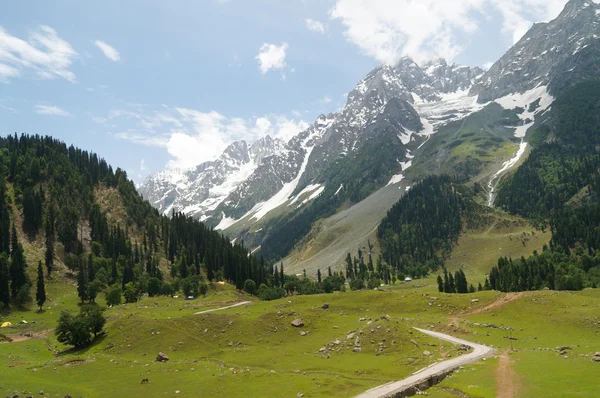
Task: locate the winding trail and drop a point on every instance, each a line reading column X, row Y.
column 224, row 308
column 396, row 387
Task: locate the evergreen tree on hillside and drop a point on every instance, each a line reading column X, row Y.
column 82, row 283
column 4, row 281
column 18, row 266
column 451, row 284
column 281, row 274
column 40, row 294
column 50, row 237
column 4, row 220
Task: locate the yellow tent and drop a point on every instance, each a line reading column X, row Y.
column 6, row 324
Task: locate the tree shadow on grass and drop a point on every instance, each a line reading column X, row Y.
column 83, row 350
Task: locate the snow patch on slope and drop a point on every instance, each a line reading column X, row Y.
column 505, row 167
column 308, row 189
column 525, row 101
column 225, row 223
column 451, row 107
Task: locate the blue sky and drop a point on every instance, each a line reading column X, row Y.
column 150, row 84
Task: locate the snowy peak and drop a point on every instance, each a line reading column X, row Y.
column 266, row 147
column 237, row 152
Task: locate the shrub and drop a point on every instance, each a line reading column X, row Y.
column 114, row 296
column 78, row 330
column 154, row 287
column 250, row 287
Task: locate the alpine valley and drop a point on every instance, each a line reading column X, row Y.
column 438, row 235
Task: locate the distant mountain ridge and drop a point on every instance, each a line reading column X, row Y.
column 382, row 131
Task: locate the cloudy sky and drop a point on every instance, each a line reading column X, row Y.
column 150, row 84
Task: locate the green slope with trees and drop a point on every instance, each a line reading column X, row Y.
column 47, row 191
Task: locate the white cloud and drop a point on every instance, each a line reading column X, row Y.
column 143, row 165
column 44, row 53
column 487, row 65
column 108, row 50
column 50, row 110
column 272, row 56
column 426, row 29
column 314, row 26
column 192, row 137
column 8, row 109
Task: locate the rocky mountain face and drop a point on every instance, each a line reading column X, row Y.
column 554, row 54
column 389, row 116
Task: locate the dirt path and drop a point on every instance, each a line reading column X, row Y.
column 507, row 383
column 224, row 308
column 391, row 389
column 508, row 298
column 502, row 301
column 21, row 338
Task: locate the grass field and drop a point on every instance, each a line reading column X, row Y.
column 254, row 351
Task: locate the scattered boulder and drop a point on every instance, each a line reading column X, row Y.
column 426, row 353
column 356, row 349
column 162, row 357
column 325, row 306
column 303, row 333
column 596, row 357
column 415, row 343
column 475, row 300
column 297, row 323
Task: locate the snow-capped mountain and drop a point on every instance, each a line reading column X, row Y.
column 389, row 116
column 253, row 180
column 198, row 191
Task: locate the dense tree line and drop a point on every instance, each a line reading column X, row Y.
column 456, row 284
column 420, row 228
column 551, row 270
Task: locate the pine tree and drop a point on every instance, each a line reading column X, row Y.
column 50, row 237
column 487, row 285
column 446, row 282
column 451, row 284
column 319, row 276
column 281, row 275
column 4, row 220
column 329, row 271
column 479, row 287
column 40, row 294
column 18, row 273
column 349, row 268
column 82, row 283
column 440, row 282
column 4, row 281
